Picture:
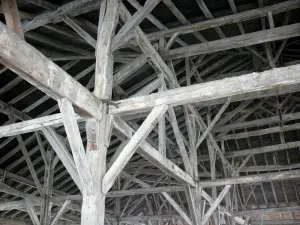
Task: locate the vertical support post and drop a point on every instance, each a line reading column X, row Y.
column 12, row 17
column 99, row 132
column 48, row 187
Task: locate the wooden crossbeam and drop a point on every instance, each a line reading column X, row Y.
column 135, row 20
column 36, row 68
column 225, row 20
column 240, row 41
column 286, row 175
column 72, row 9
column 238, row 88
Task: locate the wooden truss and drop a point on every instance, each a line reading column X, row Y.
column 159, row 151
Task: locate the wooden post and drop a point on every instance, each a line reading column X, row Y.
column 99, row 132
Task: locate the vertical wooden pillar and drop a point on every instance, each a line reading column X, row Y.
column 99, row 132
column 48, row 189
column 12, row 18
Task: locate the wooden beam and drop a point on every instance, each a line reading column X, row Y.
column 238, row 88
column 99, row 131
column 72, row 9
column 215, row 204
column 268, row 210
column 32, row 213
column 63, row 153
column 225, row 20
column 166, row 195
column 152, row 155
column 60, row 212
column 121, row 193
column 136, row 19
column 286, row 175
column 12, row 17
column 76, row 144
column 80, row 31
column 128, row 151
column 240, row 41
column 192, row 200
column 43, row 73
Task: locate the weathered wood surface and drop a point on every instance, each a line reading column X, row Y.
column 134, row 142
column 270, row 82
column 238, row 17
column 34, row 67
column 240, row 41
column 286, row 175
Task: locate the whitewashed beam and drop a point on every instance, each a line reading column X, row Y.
column 33, row 125
column 9, row 190
column 193, row 200
column 215, row 204
column 99, row 131
column 134, row 142
column 60, row 212
column 76, row 144
column 43, row 73
column 238, row 88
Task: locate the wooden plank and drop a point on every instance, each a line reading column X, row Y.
column 43, row 73
column 135, row 141
column 238, row 88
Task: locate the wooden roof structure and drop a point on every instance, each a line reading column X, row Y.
column 149, row 112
